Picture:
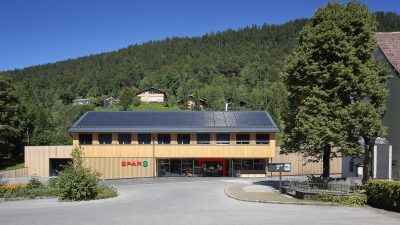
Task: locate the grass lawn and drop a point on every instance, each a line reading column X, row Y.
column 11, row 165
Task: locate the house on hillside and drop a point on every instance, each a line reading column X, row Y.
column 389, row 48
column 191, row 103
column 82, row 101
column 203, row 104
column 109, row 102
column 152, row 95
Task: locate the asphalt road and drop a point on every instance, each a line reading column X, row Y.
column 182, row 201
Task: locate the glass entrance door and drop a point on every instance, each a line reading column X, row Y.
column 212, row 167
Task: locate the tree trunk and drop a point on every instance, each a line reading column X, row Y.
column 367, row 160
column 326, row 162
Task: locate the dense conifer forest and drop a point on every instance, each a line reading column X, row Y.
column 244, row 64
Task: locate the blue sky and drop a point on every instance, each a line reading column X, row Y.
column 45, row 31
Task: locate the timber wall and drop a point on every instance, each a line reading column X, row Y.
column 301, row 166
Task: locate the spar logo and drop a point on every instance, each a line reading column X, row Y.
column 135, row 163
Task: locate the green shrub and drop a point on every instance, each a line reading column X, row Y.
column 77, row 182
column 34, row 183
column 345, row 200
column 105, row 191
column 384, row 194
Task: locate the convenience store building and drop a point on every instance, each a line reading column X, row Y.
column 149, row 144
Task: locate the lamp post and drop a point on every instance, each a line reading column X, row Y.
column 154, row 156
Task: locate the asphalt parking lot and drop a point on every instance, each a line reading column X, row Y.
column 183, row 201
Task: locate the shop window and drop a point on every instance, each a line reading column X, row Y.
column 262, row 139
column 144, row 138
column 183, row 139
column 242, row 139
column 223, row 139
column 85, row 139
column 124, row 139
column 203, row 139
column 163, row 138
column 105, row 139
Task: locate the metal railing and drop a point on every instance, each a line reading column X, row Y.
column 396, row 174
column 336, row 187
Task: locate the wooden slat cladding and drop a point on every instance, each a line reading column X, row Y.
column 180, row 151
column 112, row 168
column 300, row 166
column 37, row 158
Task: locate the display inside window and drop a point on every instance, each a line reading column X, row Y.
column 105, row 139
column 203, row 139
column 124, row 139
column 242, row 139
column 163, row 138
column 85, row 139
column 183, row 139
column 144, row 138
column 223, row 139
column 262, row 139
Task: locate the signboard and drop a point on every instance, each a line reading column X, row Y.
column 135, row 163
column 279, row 167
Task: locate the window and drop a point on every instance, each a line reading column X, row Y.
column 262, row 139
column 144, row 138
column 203, row 139
column 105, row 139
column 85, row 139
column 183, row 139
column 242, row 138
column 124, row 139
column 163, row 138
column 223, row 139
column 351, row 166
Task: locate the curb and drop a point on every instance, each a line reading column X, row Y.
column 229, row 194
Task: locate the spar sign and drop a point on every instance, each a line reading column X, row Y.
column 135, row 163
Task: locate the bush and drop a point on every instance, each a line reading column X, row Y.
column 77, row 182
column 105, row 191
column 34, row 183
column 345, row 200
column 384, row 194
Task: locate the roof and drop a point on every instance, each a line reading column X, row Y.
column 185, row 121
column 389, row 44
column 151, row 89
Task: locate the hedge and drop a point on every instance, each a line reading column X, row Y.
column 384, row 194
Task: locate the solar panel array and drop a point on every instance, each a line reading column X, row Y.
column 184, row 120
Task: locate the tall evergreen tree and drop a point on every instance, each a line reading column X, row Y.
column 12, row 119
column 332, row 77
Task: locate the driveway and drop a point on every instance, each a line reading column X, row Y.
column 183, row 201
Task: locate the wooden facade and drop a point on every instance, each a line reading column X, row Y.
column 151, row 95
column 108, row 158
column 301, row 166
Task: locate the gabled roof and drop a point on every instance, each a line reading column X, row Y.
column 151, row 89
column 389, row 44
column 185, row 121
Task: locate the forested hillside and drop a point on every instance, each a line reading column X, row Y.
column 245, row 65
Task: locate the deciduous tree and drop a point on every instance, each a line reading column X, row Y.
column 12, row 119
column 337, row 89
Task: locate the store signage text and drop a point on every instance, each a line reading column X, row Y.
column 135, row 163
